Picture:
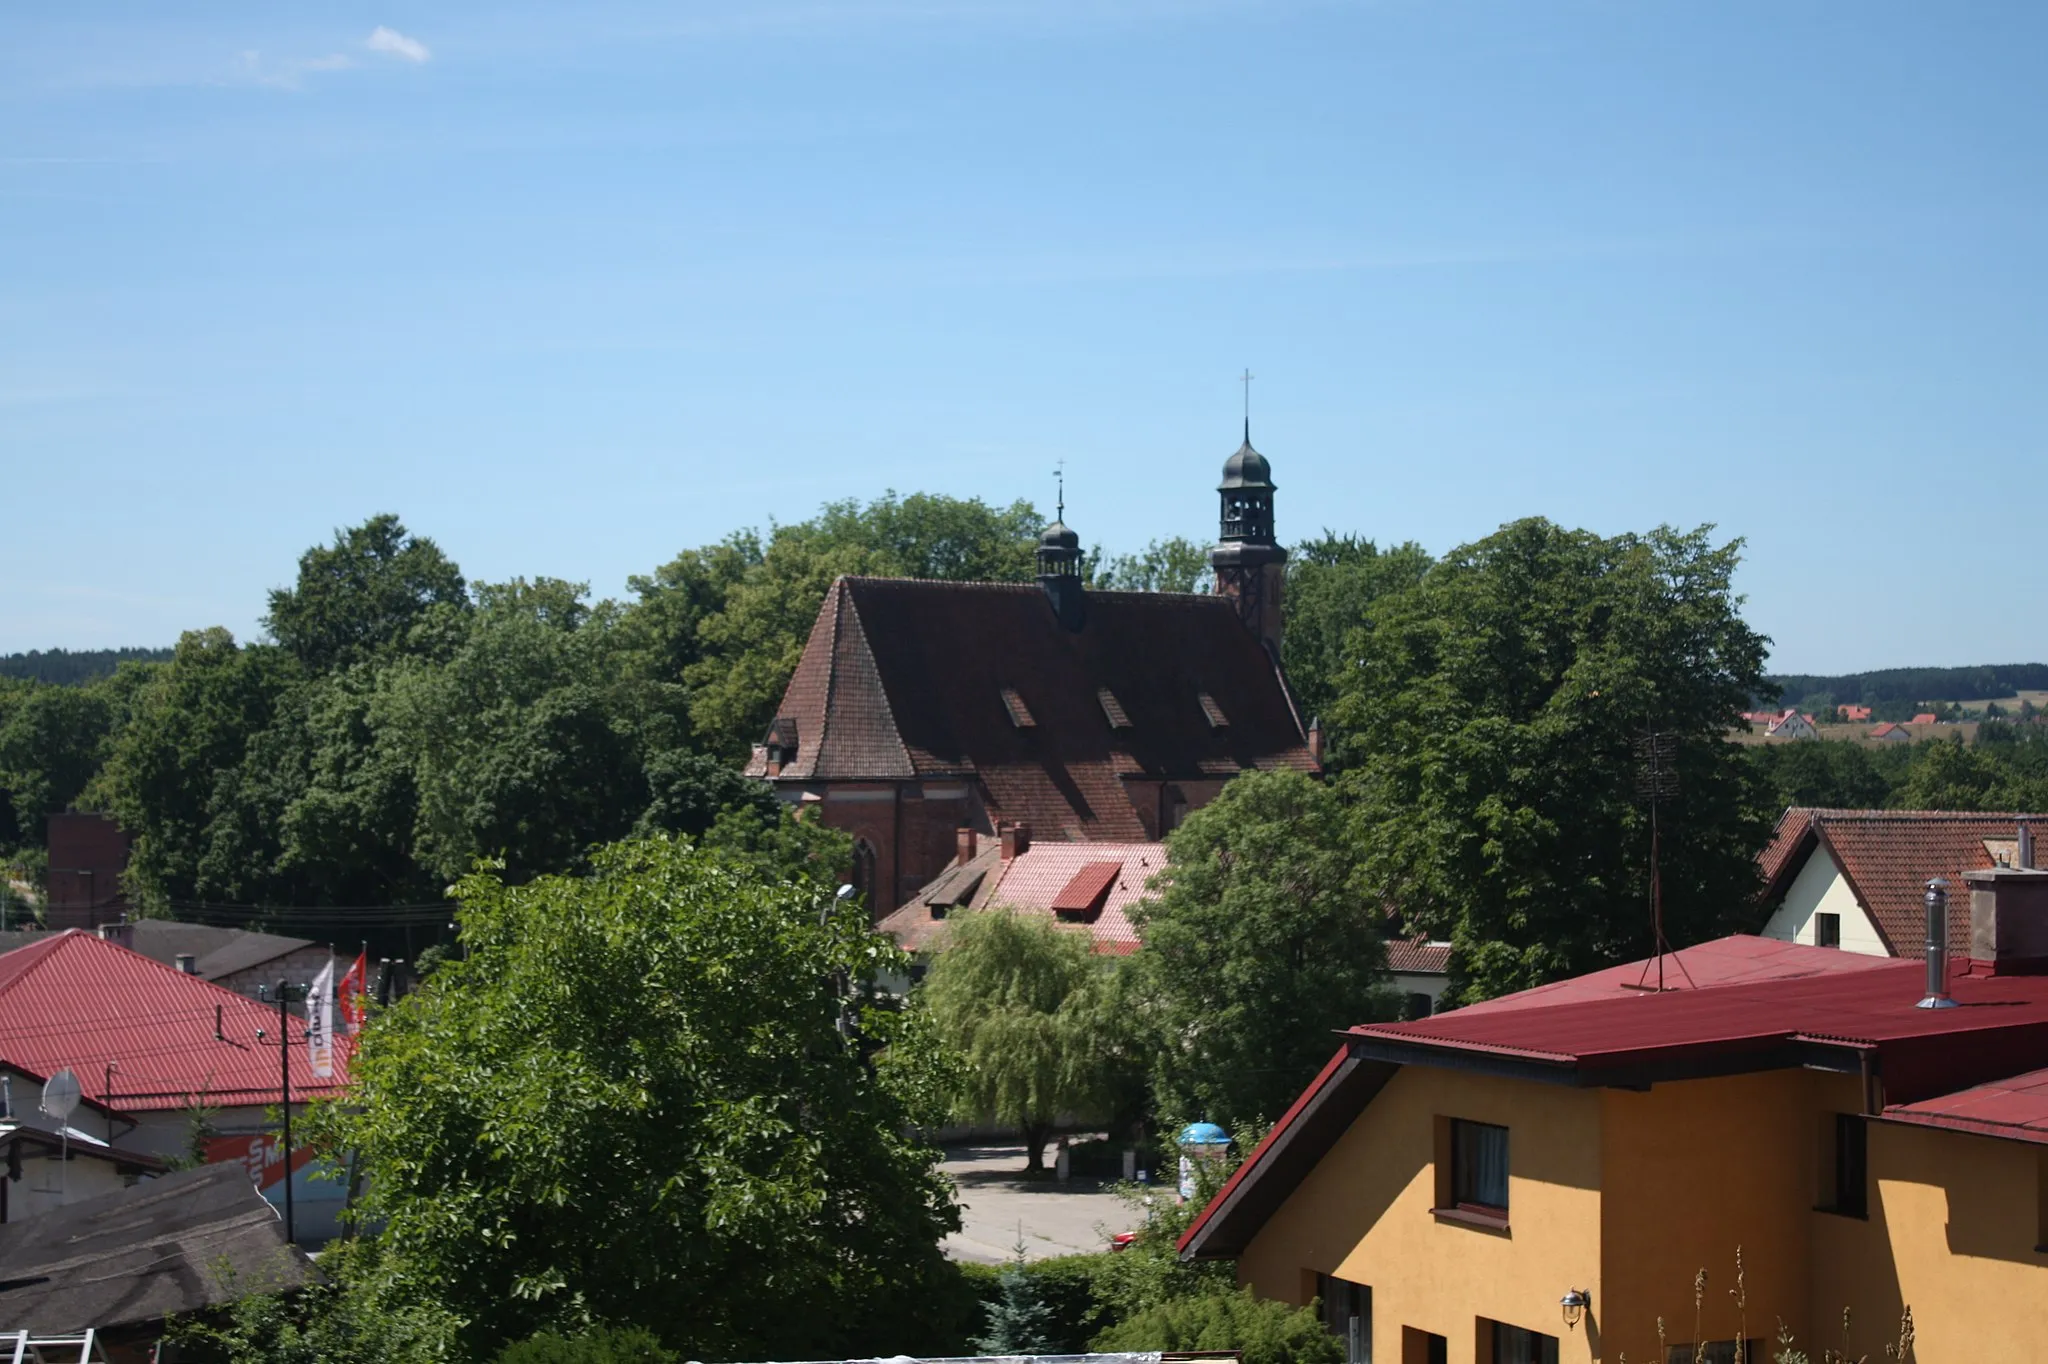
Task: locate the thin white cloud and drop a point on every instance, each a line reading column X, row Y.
column 252, row 68
column 392, row 43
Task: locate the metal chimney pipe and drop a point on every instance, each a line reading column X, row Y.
column 2024, row 857
column 1937, row 947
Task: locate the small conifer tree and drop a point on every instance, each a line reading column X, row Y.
column 1018, row 1320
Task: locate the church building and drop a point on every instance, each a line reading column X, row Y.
column 1047, row 711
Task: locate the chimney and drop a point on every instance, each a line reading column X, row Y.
column 1937, row 947
column 120, row 932
column 1315, row 739
column 964, row 843
column 1016, row 838
column 2009, row 920
column 187, row 963
column 2024, row 857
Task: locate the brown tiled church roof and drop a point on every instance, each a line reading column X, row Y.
column 904, row 679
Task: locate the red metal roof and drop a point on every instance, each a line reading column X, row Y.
column 1977, row 1067
column 1888, row 856
column 76, row 1000
column 903, row 679
column 2000, row 1028
column 2015, row 1107
column 1736, row 960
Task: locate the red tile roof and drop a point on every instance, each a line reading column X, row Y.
column 905, row 679
column 76, row 1000
column 1037, row 880
column 1888, row 856
column 1925, row 717
column 1418, row 956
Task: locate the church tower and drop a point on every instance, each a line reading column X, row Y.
column 1251, row 566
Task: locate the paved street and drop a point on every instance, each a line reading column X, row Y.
column 1055, row 1219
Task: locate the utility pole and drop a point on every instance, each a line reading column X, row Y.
column 284, row 1085
column 284, row 1075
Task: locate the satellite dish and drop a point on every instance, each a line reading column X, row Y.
column 60, row 1094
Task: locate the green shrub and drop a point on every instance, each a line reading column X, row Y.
column 603, row 1345
column 1267, row 1332
column 1070, row 1286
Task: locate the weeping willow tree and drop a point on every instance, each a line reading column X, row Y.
column 1031, row 1010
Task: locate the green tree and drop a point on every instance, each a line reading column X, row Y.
column 1175, row 564
column 1261, row 1330
column 1492, row 722
column 640, row 1098
column 52, row 740
column 1333, row 582
column 1028, row 1005
column 750, row 645
column 361, row 596
column 1828, row 773
column 1018, row 1321
column 1257, row 947
column 605, row 1345
column 174, row 767
column 1951, row 775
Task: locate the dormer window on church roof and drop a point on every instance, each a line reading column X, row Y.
column 1112, row 709
column 1020, row 714
column 1217, row 719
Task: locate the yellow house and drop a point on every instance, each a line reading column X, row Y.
column 1541, row 1177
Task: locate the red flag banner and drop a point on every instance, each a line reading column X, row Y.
column 354, row 993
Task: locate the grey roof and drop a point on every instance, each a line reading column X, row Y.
column 22, row 937
column 187, row 1241
column 43, row 1132
column 216, row 952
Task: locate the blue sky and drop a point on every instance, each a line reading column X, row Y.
column 571, row 288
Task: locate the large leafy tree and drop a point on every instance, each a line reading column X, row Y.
column 1333, row 584
column 1257, row 947
column 1031, row 1010
column 361, row 596
column 1175, row 564
column 1493, row 721
column 1832, row 774
column 175, row 768
column 647, row 1096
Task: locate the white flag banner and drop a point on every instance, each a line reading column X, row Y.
column 320, row 1023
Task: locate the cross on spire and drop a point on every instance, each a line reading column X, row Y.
column 1247, row 382
column 1059, row 473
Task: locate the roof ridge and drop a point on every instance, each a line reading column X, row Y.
column 49, row 947
column 1922, row 816
column 867, row 579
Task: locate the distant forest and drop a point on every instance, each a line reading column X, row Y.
column 68, row 668
column 1905, row 686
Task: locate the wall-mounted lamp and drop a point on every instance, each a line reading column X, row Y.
column 1575, row 1302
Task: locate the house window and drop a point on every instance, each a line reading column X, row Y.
column 1827, row 930
column 1347, row 1313
column 1424, row 1347
column 1513, row 1345
column 1479, row 1167
column 1415, row 1004
column 1845, row 1165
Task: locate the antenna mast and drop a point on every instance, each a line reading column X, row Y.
column 1656, row 755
